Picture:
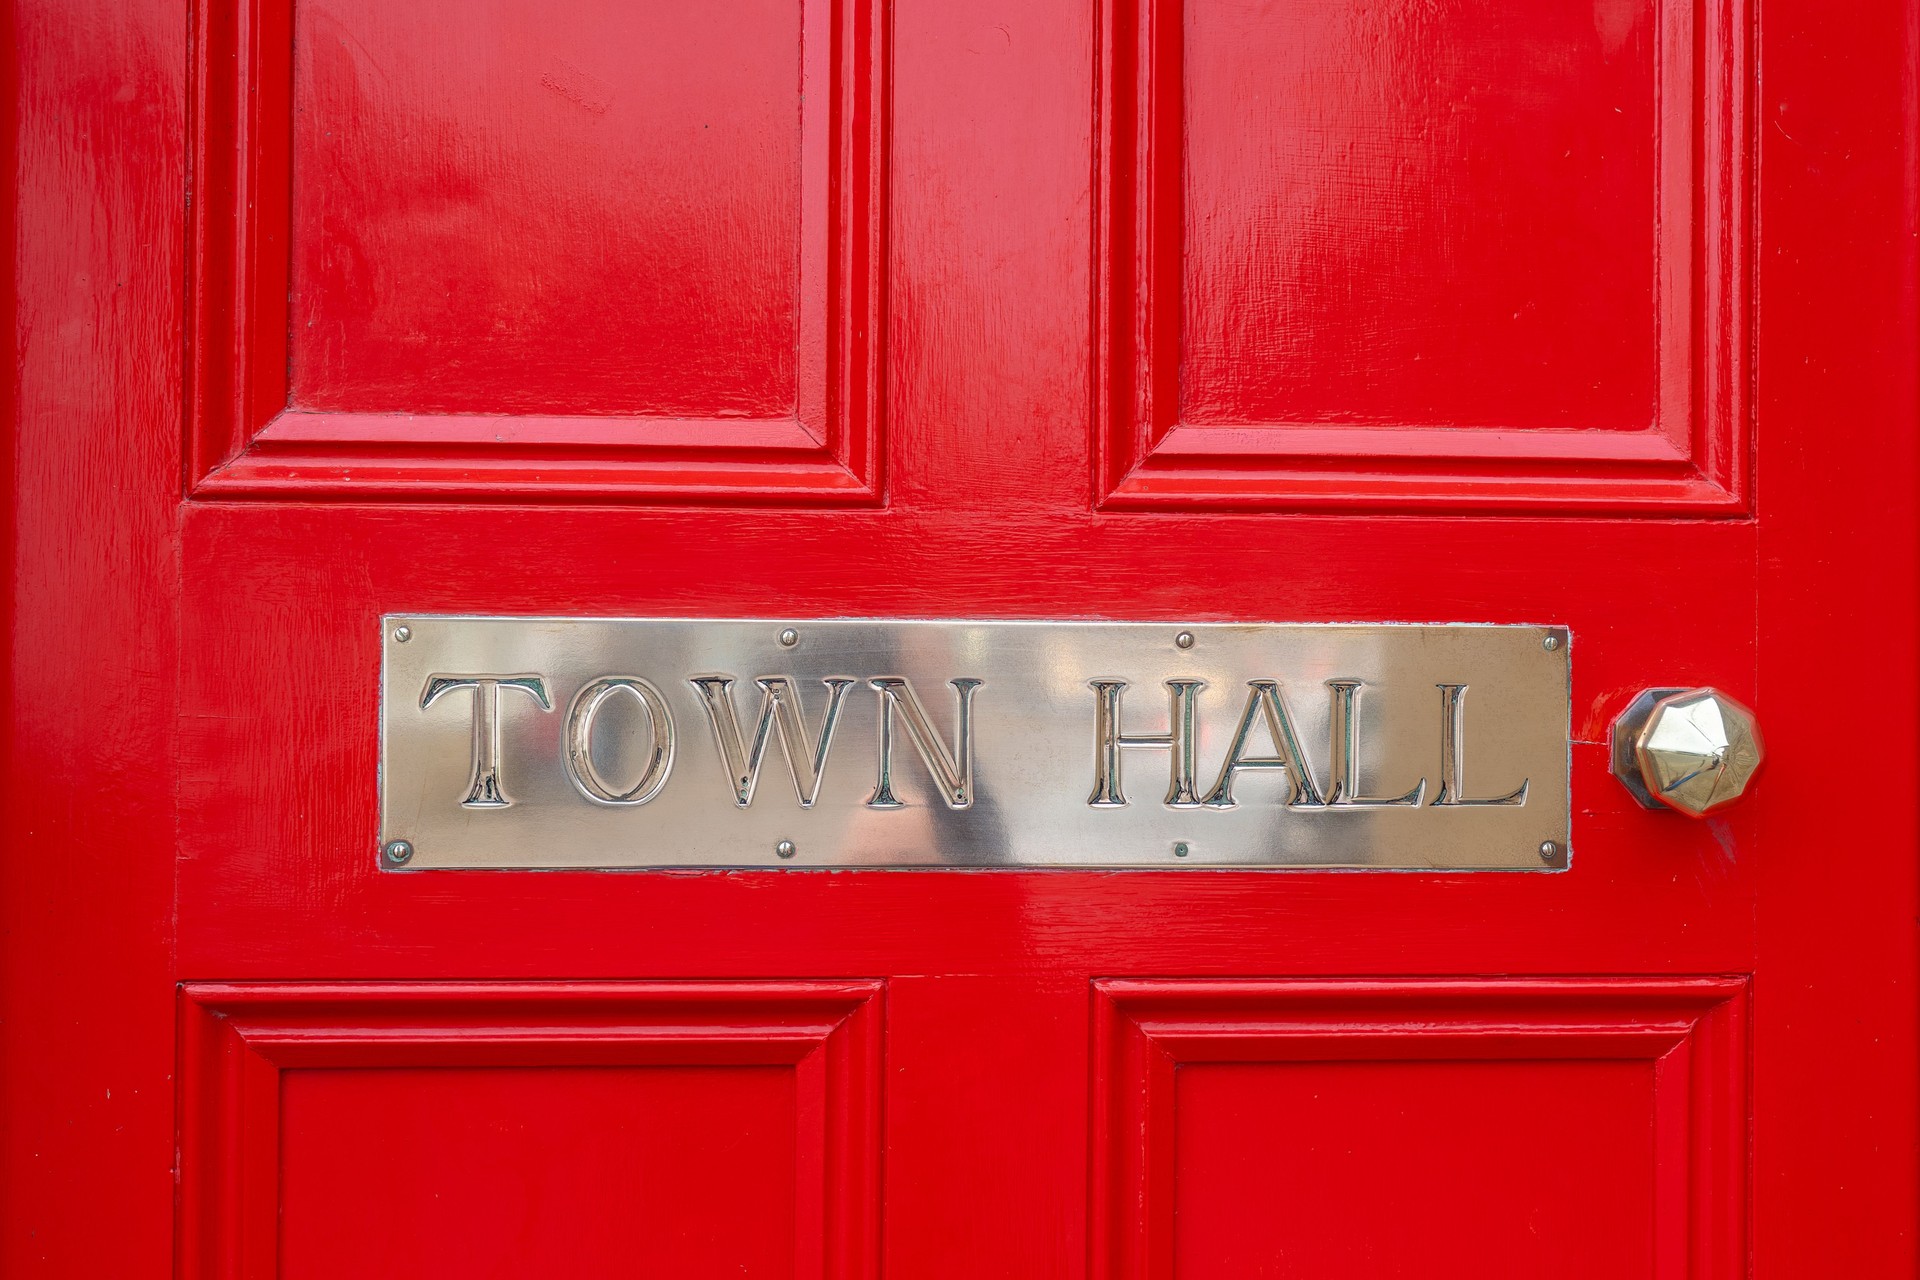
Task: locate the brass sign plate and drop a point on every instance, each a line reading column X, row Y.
column 591, row 742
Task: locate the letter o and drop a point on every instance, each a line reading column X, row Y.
column 579, row 753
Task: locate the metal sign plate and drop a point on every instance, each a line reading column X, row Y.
column 577, row 742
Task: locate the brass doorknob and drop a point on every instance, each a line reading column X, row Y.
column 1693, row 750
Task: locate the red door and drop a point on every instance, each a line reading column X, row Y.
column 1175, row 312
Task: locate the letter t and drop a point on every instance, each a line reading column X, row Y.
column 483, row 787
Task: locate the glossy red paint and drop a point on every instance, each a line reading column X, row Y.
column 1025, row 308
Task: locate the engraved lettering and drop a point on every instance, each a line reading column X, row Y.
column 779, row 705
column 952, row 773
column 1178, row 741
column 1345, row 721
column 1453, row 754
column 1264, row 702
column 579, row 755
column 483, row 787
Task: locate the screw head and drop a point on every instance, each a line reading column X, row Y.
column 1180, row 849
column 785, row 849
column 1184, row 640
column 402, row 633
column 1549, row 851
column 789, row 638
column 1551, row 643
column 397, row 852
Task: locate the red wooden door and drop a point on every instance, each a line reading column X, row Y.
column 1171, row 311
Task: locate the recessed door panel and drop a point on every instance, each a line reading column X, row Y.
column 389, row 1129
column 1442, row 257
column 525, row 1170
column 1560, row 1127
column 579, row 251
column 1512, row 1168
column 1398, row 216
column 517, row 208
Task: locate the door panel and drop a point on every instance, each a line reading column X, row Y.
column 1506, row 1176
column 509, row 1171
column 475, row 229
column 1566, row 1127
column 1474, row 255
column 438, row 253
column 1398, row 218
column 498, row 1129
column 1157, row 311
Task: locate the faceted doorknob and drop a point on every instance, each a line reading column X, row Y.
column 1694, row 750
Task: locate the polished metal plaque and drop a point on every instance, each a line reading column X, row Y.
column 596, row 742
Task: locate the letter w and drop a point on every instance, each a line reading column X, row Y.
column 779, row 705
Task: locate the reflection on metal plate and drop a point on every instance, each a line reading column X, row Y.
column 573, row 742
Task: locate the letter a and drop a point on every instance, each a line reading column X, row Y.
column 1264, row 702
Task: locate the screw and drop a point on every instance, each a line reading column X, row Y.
column 398, row 852
column 1184, row 640
column 788, row 639
column 1549, row 851
column 402, row 633
column 1551, row 643
column 1180, row 849
column 785, row 849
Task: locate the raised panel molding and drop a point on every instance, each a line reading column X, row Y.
column 239, row 1040
column 1692, row 1031
column 245, row 440
column 1692, row 458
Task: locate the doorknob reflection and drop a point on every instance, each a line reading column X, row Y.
column 1692, row 750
